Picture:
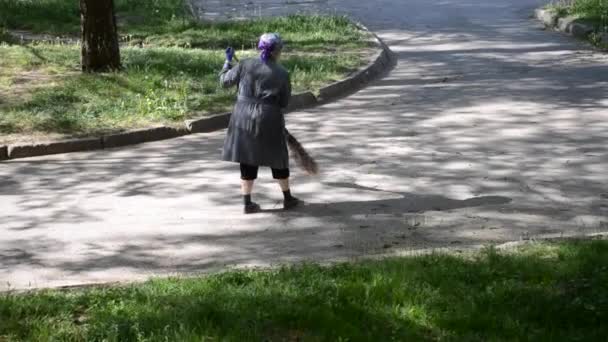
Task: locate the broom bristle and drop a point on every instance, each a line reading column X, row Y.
column 303, row 159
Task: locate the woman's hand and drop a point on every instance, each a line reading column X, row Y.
column 229, row 57
column 229, row 54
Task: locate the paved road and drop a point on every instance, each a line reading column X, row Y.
column 488, row 130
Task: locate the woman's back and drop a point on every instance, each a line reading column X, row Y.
column 265, row 81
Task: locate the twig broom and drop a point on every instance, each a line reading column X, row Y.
column 301, row 156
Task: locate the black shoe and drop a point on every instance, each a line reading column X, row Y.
column 291, row 203
column 252, row 208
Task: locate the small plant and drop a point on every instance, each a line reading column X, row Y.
column 559, row 7
column 599, row 39
column 594, row 11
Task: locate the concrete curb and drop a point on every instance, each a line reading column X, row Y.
column 3, row 152
column 142, row 136
column 382, row 61
column 570, row 25
column 207, row 125
column 549, row 18
column 41, row 149
column 302, row 100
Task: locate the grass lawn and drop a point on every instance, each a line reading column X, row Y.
column 63, row 16
column 542, row 292
column 595, row 11
column 172, row 78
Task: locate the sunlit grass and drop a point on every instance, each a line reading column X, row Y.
column 542, row 292
column 168, row 23
column 172, row 78
column 43, row 90
column 592, row 10
column 63, row 16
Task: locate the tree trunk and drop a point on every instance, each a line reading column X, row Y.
column 100, row 51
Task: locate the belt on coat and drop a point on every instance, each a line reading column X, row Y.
column 249, row 99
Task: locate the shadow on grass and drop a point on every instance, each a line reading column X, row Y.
column 540, row 292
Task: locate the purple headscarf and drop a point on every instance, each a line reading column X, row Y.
column 269, row 42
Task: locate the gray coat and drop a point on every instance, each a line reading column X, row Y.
column 256, row 134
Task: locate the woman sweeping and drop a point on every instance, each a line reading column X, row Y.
column 256, row 134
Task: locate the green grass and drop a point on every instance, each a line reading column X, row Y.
column 591, row 10
column 63, row 16
column 543, row 292
column 42, row 90
column 594, row 12
column 169, row 23
column 174, row 77
column 301, row 33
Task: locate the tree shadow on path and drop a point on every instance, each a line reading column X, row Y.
column 406, row 203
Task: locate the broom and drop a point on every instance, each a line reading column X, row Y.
column 299, row 153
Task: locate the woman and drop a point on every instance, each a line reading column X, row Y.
column 256, row 134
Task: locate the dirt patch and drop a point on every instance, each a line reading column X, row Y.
column 18, row 88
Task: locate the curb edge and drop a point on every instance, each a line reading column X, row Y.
column 569, row 25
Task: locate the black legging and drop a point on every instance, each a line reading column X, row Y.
column 250, row 172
